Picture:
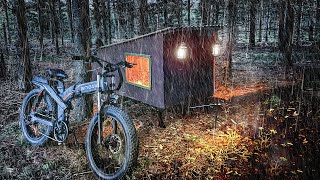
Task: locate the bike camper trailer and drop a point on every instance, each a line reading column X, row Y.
column 174, row 65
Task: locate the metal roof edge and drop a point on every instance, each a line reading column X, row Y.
column 165, row 30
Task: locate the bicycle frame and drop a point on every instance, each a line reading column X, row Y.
column 63, row 98
column 49, row 104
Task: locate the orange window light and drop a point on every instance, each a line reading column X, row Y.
column 140, row 74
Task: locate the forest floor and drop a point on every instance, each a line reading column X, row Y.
column 271, row 134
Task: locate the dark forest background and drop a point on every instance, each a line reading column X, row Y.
column 270, row 133
column 33, row 31
column 29, row 27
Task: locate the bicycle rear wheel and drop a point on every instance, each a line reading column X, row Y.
column 118, row 150
column 35, row 133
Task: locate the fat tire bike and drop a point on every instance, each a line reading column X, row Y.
column 111, row 139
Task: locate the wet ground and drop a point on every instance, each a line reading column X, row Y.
column 262, row 134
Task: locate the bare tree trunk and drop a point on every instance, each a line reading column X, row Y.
column 310, row 32
column 54, row 23
column 5, row 38
column 2, row 63
column 311, row 24
column 165, row 13
column 121, row 7
column 83, row 42
column 232, row 11
column 7, row 20
column 23, row 47
column 299, row 15
column 69, row 5
column 253, row 11
column 204, row 12
column 281, row 35
column 143, row 17
column 286, row 25
column 289, row 34
column 109, row 22
column 131, row 19
column 86, row 43
column 178, row 12
column 268, row 23
column 2, row 66
column 208, row 14
column 217, row 14
column 61, row 23
column 97, row 18
column 105, row 16
column 51, row 25
column 318, row 21
column 189, row 12
column 260, row 20
column 106, row 20
column 41, row 26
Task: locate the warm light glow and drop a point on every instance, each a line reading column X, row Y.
column 216, row 50
column 140, row 74
column 182, row 51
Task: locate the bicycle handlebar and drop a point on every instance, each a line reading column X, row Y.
column 109, row 67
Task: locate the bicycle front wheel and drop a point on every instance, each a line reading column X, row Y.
column 116, row 154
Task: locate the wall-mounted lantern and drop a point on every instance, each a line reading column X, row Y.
column 182, row 51
column 216, row 49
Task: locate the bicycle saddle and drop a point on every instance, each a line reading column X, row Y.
column 57, row 73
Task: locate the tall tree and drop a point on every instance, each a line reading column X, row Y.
column 5, row 6
column 122, row 9
column 131, row 17
column 217, row 12
column 23, row 46
column 289, row 33
column 205, row 16
column 268, row 22
column 40, row 8
column 232, row 11
column 253, row 11
column 69, row 5
column 5, row 38
column 3, row 68
column 61, row 31
column 286, row 25
column 178, row 11
column 106, row 21
column 299, row 16
column 189, row 12
column 97, row 19
column 54, row 24
column 281, row 34
column 311, row 23
column 260, row 20
column 2, row 63
column 143, row 23
column 165, row 13
column 318, row 20
column 81, row 18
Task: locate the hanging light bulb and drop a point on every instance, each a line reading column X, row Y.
column 216, row 50
column 182, row 51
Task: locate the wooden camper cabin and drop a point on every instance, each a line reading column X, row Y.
column 160, row 78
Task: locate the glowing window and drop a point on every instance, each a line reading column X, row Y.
column 140, row 74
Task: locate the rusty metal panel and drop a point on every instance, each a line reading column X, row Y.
column 151, row 46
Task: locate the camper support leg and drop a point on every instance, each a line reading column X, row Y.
column 162, row 116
